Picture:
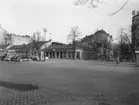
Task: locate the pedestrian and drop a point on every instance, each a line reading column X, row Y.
column 117, row 57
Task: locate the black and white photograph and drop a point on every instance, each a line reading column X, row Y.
column 69, row 52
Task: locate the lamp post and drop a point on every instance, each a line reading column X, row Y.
column 45, row 30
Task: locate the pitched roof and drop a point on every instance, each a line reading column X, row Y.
column 58, row 46
column 37, row 45
column 16, row 47
column 100, row 31
column 2, row 45
column 67, row 47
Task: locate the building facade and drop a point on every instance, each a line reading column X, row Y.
column 52, row 51
column 104, row 43
column 2, row 34
column 28, row 50
column 135, row 35
column 20, row 40
column 135, row 30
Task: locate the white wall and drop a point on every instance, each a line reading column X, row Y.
column 19, row 40
column 2, row 32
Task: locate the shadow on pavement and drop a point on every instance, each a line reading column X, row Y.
column 19, row 87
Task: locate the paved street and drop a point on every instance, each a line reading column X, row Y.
column 67, row 82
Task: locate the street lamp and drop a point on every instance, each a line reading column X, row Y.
column 45, row 30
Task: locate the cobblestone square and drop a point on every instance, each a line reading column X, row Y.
column 68, row 83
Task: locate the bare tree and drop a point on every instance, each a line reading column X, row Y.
column 36, row 37
column 39, row 38
column 125, row 42
column 95, row 3
column 73, row 37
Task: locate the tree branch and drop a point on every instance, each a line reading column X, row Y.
column 119, row 8
column 93, row 3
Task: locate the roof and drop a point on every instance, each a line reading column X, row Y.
column 2, row 45
column 66, row 47
column 34, row 45
column 100, row 31
column 58, row 46
column 16, row 47
column 37, row 45
column 57, row 43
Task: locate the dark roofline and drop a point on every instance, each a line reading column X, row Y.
column 98, row 31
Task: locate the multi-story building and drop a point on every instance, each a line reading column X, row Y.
column 135, row 35
column 3, row 46
column 135, row 29
column 104, row 44
column 2, row 34
column 99, row 45
column 8, row 40
column 19, row 40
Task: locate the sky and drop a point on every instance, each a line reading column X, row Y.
column 25, row 17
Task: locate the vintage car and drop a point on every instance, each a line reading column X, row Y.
column 35, row 58
column 3, row 57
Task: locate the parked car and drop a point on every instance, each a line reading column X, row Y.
column 8, row 57
column 16, row 58
column 3, row 57
column 13, row 58
column 35, row 58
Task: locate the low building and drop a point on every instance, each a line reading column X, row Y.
column 52, row 50
column 67, row 52
column 31, row 49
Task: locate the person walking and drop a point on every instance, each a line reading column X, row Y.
column 117, row 57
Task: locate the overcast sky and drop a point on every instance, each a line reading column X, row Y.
column 58, row 16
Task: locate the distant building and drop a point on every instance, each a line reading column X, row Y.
column 8, row 40
column 104, row 44
column 135, row 36
column 31, row 49
column 53, row 50
column 19, row 40
column 100, row 43
column 67, row 52
column 3, row 46
column 135, row 31
column 2, row 34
